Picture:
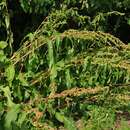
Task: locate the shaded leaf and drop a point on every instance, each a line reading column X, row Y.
column 68, row 123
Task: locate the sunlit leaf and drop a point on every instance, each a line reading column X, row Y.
column 22, row 118
column 10, row 73
column 7, row 94
column 22, row 80
column 11, row 116
column 3, row 44
column 7, row 21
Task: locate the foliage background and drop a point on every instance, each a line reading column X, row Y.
column 64, row 64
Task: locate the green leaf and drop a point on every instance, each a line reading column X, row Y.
column 22, row 80
column 10, row 73
column 50, row 54
column 7, row 94
column 3, row 44
column 11, row 116
column 1, row 109
column 68, row 78
column 68, row 123
column 59, row 117
column 58, row 42
column 128, row 21
column 3, row 58
column 7, row 21
column 22, row 118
